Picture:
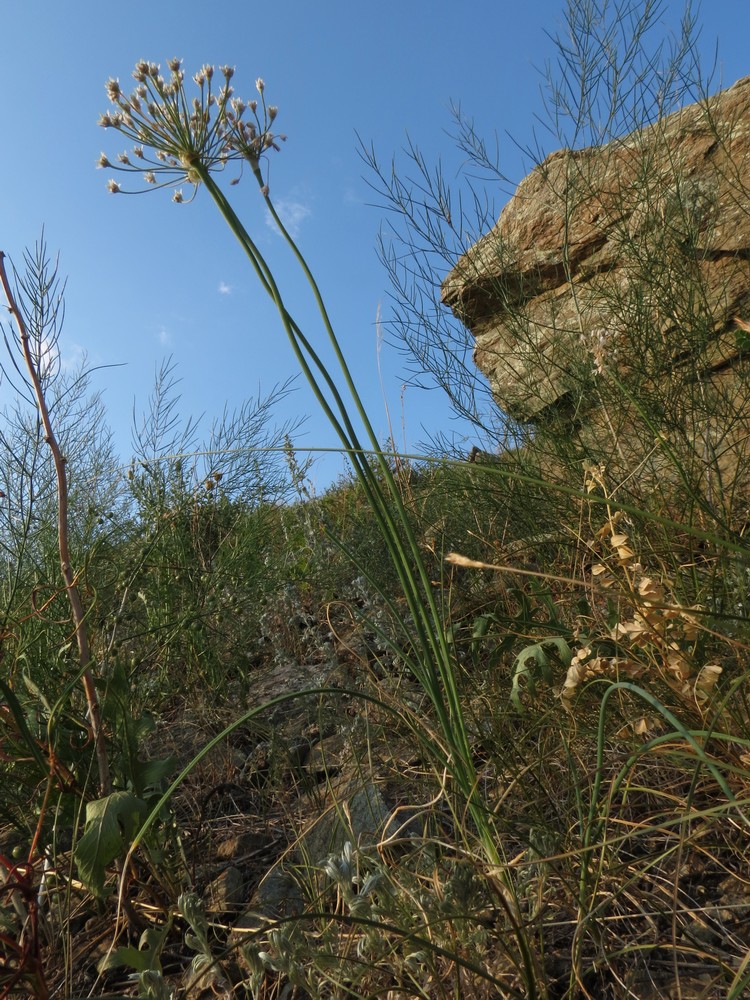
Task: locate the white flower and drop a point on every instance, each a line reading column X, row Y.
column 112, row 86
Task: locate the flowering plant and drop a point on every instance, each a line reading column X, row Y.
column 192, row 140
column 177, row 139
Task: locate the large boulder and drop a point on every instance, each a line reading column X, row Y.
column 614, row 249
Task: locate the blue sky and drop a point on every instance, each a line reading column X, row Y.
column 148, row 279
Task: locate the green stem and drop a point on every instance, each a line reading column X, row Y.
column 430, row 631
column 434, row 668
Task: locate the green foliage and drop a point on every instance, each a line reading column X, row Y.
column 111, row 824
column 399, row 946
column 535, row 663
column 143, row 777
column 145, row 958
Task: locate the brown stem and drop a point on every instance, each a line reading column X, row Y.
column 79, row 619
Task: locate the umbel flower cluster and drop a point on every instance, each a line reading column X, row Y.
column 177, row 138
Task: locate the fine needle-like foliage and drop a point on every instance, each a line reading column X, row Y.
column 36, row 310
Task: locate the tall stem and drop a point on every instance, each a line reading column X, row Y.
column 437, row 671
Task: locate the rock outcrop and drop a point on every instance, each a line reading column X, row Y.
column 632, row 253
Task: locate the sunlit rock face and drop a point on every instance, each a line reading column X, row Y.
column 631, row 258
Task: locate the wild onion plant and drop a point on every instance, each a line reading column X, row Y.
column 182, row 140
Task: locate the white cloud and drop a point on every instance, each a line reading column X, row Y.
column 165, row 337
column 224, row 288
column 292, row 213
column 73, row 359
column 46, row 356
column 49, row 359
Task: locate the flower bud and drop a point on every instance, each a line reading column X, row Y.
column 112, row 86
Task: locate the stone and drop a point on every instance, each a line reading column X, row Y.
column 576, row 251
column 358, row 813
column 277, row 896
column 227, row 892
column 359, row 816
column 240, row 846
